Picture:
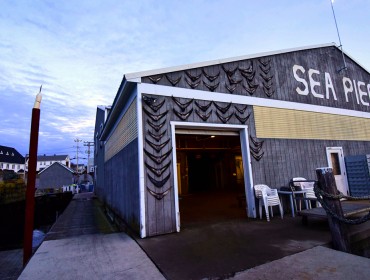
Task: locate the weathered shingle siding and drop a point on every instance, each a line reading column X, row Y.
column 285, row 159
column 55, row 176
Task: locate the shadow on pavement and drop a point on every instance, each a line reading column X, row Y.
column 218, row 250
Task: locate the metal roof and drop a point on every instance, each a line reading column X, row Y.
column 136, row 76
column 51, row 158
column 57, row 163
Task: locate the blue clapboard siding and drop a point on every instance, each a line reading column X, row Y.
column 358, row 175
column 121, row 187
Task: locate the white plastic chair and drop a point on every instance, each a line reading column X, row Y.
column 267, row 197
column 310, row 193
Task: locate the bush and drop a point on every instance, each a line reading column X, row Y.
column 12, row 190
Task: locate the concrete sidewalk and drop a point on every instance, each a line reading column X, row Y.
column 84, row 245
column 92, row 256
column 319, row 263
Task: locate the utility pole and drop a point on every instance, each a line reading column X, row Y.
column 88, row 144
column 77, row 148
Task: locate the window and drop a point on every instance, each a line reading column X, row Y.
column 335, row 163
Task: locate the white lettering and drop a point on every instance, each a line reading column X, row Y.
column 314, row 83
column 329, row 85
column 362, row 93
column 303, row 81
column 311, row 83
column 354, row 82
column 349, row 89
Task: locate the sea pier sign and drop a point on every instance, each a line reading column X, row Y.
column 310, row 83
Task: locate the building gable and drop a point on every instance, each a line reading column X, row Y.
column 310, row 76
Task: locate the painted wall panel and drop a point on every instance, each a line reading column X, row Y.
column 125, row 132
column 121, row 185
column 295, row 124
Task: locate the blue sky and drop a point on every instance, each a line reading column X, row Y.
column 80, row 50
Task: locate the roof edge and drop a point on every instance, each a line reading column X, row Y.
column 135, row 77
column 66, row 167
column 118, row 102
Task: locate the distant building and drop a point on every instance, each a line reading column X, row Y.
column 11, row 159
column 90, row 165
column 56, row 176
column 44, row 161
column 81, row 167
column 102, row 113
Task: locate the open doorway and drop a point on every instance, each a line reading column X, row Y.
column 210, row 177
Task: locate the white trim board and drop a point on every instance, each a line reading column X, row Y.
column 141, row 165
column 248, row 100
column 244, row 142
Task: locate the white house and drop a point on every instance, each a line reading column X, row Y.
column 11, row 159
column 44, row 161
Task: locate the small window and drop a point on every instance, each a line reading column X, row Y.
column 335, row 163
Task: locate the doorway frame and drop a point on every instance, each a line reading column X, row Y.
column 342, row 163
column 247, row 166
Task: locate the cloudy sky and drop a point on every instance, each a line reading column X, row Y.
column 80, row 50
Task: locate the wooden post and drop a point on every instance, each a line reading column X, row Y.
column 31, row 181
column 339, row 232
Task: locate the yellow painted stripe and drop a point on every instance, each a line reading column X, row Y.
column 295, row 124
column 124, row 134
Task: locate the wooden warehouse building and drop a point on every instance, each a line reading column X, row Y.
column 220, row 127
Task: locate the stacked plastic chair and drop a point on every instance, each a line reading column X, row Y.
column 267, row 197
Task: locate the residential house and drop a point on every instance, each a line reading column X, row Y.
column 11, row 159
column 56, row 176
column 44, row 161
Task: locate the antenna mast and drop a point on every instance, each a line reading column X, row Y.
column 340, row 42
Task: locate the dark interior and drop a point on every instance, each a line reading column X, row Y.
column 210, row 178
